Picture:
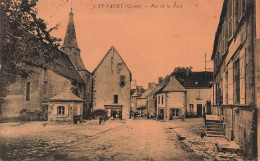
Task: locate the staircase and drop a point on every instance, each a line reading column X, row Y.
column 214, row 126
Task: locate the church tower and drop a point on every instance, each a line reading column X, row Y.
column 70, row 45
column 70, row 48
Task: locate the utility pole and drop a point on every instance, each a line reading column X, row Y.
column 206, row 63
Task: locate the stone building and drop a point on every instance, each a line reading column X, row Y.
column 43, row 78
column 198, row 86
column 112, row 85
column 152, row 97
column 49, row 72
column 65, row 107
column 151, row 111
column 236, row 72
column 135, row 94
column 171, row 100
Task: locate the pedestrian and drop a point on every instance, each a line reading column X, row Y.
column 100, row 120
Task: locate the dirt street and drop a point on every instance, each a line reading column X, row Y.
column 114, row 140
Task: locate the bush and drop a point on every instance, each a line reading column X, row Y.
column 26, row 115
column 97, row 113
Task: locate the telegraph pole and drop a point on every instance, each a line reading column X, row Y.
column 206, row 63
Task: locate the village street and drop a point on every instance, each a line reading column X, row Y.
column 113, row 140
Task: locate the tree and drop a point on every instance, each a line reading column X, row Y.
column 182, row 71
column 18, row 20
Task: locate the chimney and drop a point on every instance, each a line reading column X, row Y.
column 151, row 85
column 160, row 79
column 138, row 89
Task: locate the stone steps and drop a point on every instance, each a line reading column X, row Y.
column 214, row 127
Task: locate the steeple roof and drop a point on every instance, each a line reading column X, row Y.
column 70, row 39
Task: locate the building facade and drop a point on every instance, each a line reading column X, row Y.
column 111, row 85
column 236, row 72
column 65, row 107
column 147, row 101
column 198, row 102
column 171, row 100
column 136, row 94
column 198, row 86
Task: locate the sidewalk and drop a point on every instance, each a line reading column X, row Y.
column 190, row 132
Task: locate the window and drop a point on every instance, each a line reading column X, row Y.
column 115, row 98
column 60, row 110
column 191, row 107
column 226, row 88
column 119, row 66
column 230, row 18
column 122, row 80
column 28, row 90
column 162, row 99
column 158, row 99
column 236, row 82
column 174, row 112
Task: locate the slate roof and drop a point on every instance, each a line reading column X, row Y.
column 135, row 94
column 50, row 58
column 159, row 87
column 174, row 86
column 219, row 28
column 196, row 79
column 70, row 39
column 66, row 96
column 147, row 92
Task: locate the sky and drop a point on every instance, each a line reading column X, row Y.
column 152, row 41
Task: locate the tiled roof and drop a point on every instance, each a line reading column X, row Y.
column 50, row 58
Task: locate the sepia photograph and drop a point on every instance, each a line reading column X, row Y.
column 129, row 80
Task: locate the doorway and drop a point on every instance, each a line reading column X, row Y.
column 161, row 114
column 199, row 109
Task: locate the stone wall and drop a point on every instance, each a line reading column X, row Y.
column 239, row 127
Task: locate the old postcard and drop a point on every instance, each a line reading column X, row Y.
column 129, row 80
